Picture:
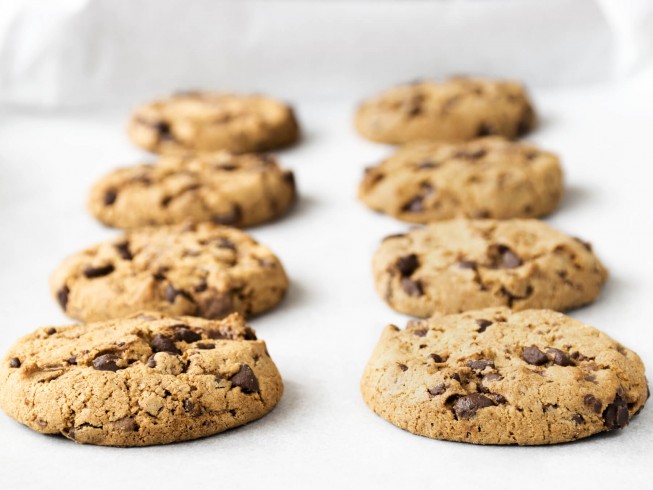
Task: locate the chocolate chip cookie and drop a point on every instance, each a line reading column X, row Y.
column 461, row 265
column 148, row 379
column 458, row 109
column 204, row 270
column 210, row 121
column 499, row 377
column 235, row 190
column 485, row 178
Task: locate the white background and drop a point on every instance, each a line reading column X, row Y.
column 322, row 435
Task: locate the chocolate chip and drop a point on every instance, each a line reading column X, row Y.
column 407, row 265
column 189, row 406
column 14, row 362
column 230, row 218
column 498, row 399
column 187, row 335
column 615, row 415
column 593, row 402
column 436, row 358
column 151, row 362
column 412, row 288
column 421, row 332
column 123, row 250
column 470, row 154
column 480, row 364
column 51, row 331
column 94, row 272
column 62, row 296
column 578, row 419
column 587, row 245
column 110, row 197
column 484, row 129
column 438, row 389
column 559, row 357
column 245, row 379
column 160, row 275
column 172, row 293
column 205, row 346
column 106, row 362
column 161, row 343
column 503, row 257
column 491, row 377
column 533, row 355
column 127, row 424
column 466, row 407
column 72, row 360
column 216, row 306
column 226, row 243
column 482, row 324
column 201, row 287
column 403, row 367
column 289, row 178
column 427, row 165
column 250, row 335
column 163, row 129
column 467, row 264
column 525, row 121
column 415, row 205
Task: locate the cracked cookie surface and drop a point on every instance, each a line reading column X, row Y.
column 499, row 377
column 458, row 109
column 235, row 190
column 204, row 270
column 211, row 121
column 485, row 178
column 460, row 265
column 148, row 379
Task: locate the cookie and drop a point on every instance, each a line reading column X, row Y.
column 499, row 377
column 461, row 265
column 204, row 270
column 458, row 109
column 211, row 121
column 148, row 379
column 235, row 190
column 485, row 178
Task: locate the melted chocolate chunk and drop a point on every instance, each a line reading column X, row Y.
column 436, row 358
column 502, row 257
column 615, row 415
column 245, row 379
column 578, row 419
column 480, row 364
column 559, row 357
column 51, row 331
column 163, row 129
column 482, row 324
column 593, row 402
column 94, row 272
column 467, row 264
column 62, row 296
column 412, row 288
column 438, row 389
column 127, row 424
column 106, row 362
column 161, row 343
column 172, row 293
column 230, row 218
column 205, row 346
column 466, row 407
column 407, row 265
column 123, row 250
column 110, row 197
column 14, row 362
column 533, row 355
column 185, row 334
column 403, row 367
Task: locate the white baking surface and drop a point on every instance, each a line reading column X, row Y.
column 322, row 435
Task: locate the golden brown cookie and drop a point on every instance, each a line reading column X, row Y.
column 499, row 377
column 211, row 121
column 458, row 109
column 485, row 178
column 235, row 190
column 461, row 265
column 204, row 270
column 148, row 379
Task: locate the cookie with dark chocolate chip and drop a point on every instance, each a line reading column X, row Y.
column 139, row 381
column 485, row 178
column 458, row 265
column 204, row 270
column 458, row 109
column 212, row 121
column 234, row 190
column 529, row 377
